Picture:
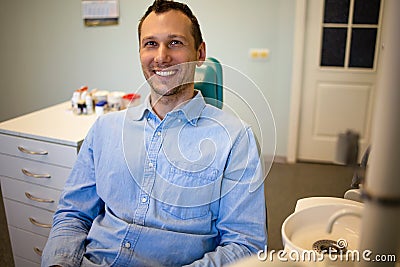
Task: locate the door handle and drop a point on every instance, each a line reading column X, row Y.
column 35, row 175
column 43, row 225
column 38, row 251
column 37, row 199
column 30, row 152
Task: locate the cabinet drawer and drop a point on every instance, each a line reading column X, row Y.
column 33, row 171
column 38, row 150
column 20, row 262
column 27, row 193
column 28, row 218
column 26, row 245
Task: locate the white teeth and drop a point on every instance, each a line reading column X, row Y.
column 165, row 73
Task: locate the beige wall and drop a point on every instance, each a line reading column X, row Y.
column 46, row 52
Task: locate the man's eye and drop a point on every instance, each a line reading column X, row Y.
column 175, row 43
column 150, row 44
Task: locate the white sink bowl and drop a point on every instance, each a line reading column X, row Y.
column 308, row 224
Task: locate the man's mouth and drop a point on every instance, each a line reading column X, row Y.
column 165, row 73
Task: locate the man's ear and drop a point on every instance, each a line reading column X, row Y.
column 201, row 54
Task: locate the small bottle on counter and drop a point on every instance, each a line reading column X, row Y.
column 74, row 102
column 81, row 107
column 100, row 107
column 89, row 104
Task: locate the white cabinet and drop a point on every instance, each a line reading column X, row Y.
column 37, row 152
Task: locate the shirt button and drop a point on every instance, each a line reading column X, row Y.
column 127, row 245
column 151, row 165
column 144, row 199
column 158, row 133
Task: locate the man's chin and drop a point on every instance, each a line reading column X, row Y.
column 163, row 91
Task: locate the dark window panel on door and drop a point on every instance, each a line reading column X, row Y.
column 333, row 47
column 362, row 50
column 366, row 12
column 336, row 11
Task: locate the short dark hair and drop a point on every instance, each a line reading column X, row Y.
column 161, row 6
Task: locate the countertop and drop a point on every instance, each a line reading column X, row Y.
column 56, row 124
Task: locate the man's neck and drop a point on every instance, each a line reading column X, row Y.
column 164, row 104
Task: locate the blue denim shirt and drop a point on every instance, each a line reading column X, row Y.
column 172, row 192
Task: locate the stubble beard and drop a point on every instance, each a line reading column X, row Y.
column 174, row 86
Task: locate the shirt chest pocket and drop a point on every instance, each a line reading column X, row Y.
column 187, row 213
column 191, row 190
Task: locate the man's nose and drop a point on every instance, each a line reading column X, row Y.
column 162, row 54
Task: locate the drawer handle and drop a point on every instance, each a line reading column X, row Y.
column 30, row 152
column 38, row 251
column 42, row 200
column 43, row 225
column 34, row 175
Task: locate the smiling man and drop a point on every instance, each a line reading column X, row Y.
column 166, row 183
column 169, row 37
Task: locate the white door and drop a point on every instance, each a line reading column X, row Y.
column 340, row 64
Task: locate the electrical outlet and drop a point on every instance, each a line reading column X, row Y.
column 259, row 53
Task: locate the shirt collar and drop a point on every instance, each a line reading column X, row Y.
column 138, row 112
column 191, row 109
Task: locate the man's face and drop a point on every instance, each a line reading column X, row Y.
column 166, row 41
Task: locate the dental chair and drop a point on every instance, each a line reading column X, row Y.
column 208, row 79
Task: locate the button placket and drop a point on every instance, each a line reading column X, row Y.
column 153, row 147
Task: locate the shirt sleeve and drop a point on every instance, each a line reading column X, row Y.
column 242, row 214
column 77, row 208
